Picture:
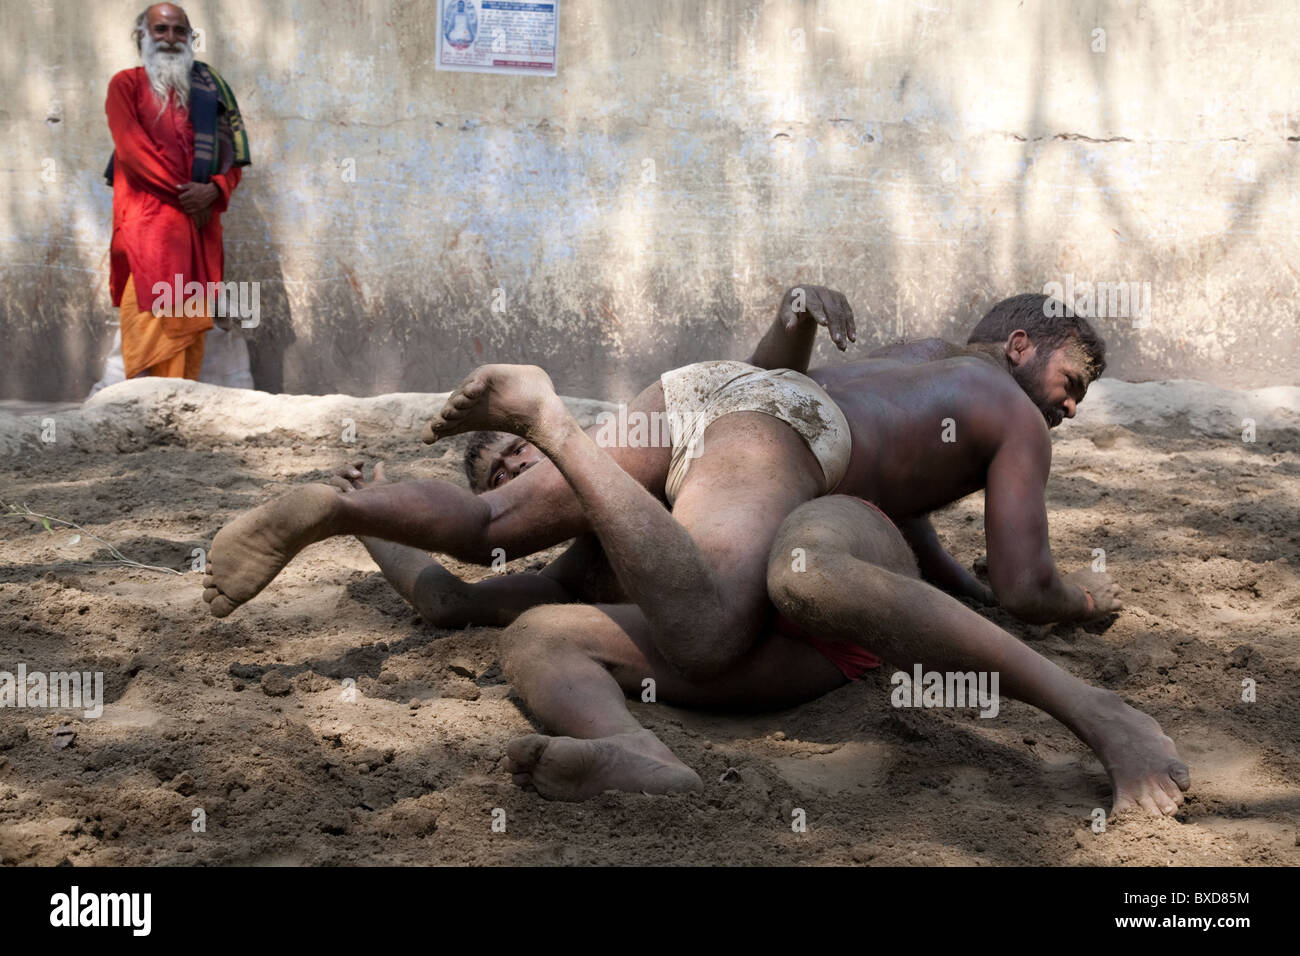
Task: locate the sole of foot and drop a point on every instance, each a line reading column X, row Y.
column 565, row 768
column 508, row 398
column 248, row 553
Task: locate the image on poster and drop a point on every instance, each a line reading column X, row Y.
column 498, row 36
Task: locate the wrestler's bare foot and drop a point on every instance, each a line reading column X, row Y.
column 518, row 399
column 565, row 768
column 1143, row 764
column 250, row 551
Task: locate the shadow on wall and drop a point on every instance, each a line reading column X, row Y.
column 773, row 167
column 251, row 256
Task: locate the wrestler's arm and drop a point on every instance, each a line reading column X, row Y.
column 533, row 511
column 937, row 566
column 441, row 597
column 788, row 342
column 1024, row 578
column 444, row 600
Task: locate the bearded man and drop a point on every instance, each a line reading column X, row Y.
column 179, row 146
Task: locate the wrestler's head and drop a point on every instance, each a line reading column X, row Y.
column 162, row 35
column 493, row 458
column 1053, row 356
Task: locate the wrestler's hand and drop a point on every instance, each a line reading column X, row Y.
column 951, row 578
column 826, row 307
column 977, row 591
column 197, row 197
column 202, row 217
column 1104, row 591
column 350, row 476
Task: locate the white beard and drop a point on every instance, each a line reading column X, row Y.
column 169, row 73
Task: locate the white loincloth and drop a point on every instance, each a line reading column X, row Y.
column 695, row 396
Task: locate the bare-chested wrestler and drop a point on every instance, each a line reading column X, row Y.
column 996, row 394
column 700, row 606
column 858, row 589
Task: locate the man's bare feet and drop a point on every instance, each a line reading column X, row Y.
column 1143, row 764
column 518, row 399
column 565, row 768
column 250, row 551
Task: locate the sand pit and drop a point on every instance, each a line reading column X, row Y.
column 247, row 718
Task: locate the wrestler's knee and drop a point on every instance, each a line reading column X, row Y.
column 816, row 570
column 839, row 525
column 797, row 585
column 806, row 557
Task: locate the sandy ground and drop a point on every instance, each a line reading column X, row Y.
column 245, row 718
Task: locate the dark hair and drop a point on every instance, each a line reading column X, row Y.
column 478, row 443
column 1048, row 324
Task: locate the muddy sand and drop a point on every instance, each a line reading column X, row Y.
column 247, row 719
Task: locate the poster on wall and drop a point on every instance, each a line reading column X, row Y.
column 498, row 36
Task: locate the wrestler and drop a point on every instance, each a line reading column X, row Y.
column 953, row 419
column 857, row 587
column 749, row 478
column 572, row 664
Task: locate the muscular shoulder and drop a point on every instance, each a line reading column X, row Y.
column 916, row 352
column 980, row 377
column 1000, row 404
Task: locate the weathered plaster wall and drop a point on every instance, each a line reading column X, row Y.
column 646, row 207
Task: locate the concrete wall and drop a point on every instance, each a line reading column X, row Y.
column 646, row 207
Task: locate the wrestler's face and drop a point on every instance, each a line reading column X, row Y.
column 1056, row 381
column 508, row 460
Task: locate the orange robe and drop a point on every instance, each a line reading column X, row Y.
column 154, row 240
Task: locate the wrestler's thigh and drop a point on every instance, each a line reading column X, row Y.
column 649, row 466
column 838, row 525
column 779, row 672
column 754, row 470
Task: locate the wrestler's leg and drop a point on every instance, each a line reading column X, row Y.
column 698, row 574
column 533, row 511
column 572, row 665
column 855, row 581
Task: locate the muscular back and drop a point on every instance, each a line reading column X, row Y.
column 927, row 420
column 930, row 423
